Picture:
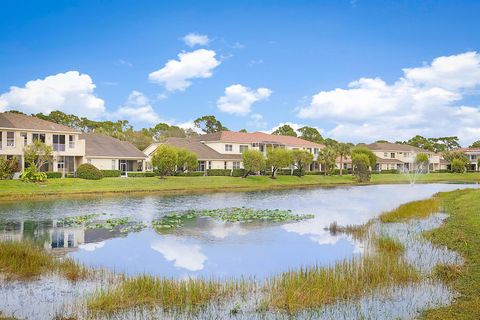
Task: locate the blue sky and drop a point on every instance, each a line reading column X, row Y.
column 272, row 62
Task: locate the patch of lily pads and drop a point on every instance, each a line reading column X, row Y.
column 102, row 221
column 178, row 219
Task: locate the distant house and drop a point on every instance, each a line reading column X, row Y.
column 70, row 146
column 401, row 157
column 223, row 150
column 473, row 155
column 108, row 153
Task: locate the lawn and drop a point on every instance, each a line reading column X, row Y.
column 14, row 190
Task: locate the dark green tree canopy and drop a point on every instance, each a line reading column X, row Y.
column 209, row 124
column 310, row 134
column 476, row 144
column 285, row 130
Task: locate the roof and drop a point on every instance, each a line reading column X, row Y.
column 257, row 137
column 99, row 145
column 388, row 160
column 474, row 150
column 388, row 146
column 22, row 121
column 202, row 151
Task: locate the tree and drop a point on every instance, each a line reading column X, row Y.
column 457, row 159
column 343, row 151
column 8, row 167
column 457, row 165
column 422, row 161
column 327, row 156
column 243, row 130
column 36, row 155
column 329, row 142
column 278, row 158
column 300, row 159
column 446, row 143
column 361, row 164
column 209, row 124
column 186, row 160
column 253, row 161
column 60, row 117
column 421, row 142
column 165, row 159
column 372, row 158
column 476, row 144
column 163, row 130
column 381, row 141
column 310, row 134
column 138, row 138
column 285, row 130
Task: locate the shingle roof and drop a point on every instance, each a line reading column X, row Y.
column 388, row 160
column 202, row 151
column 387, row 146
column 99, row 145
column 468, row 149
column 257, row 137
column 21, row 121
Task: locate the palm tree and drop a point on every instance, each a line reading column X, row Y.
column 343, row 150
column 327, row 156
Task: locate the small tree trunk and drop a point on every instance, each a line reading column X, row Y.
column 341, row 165
column 274, row 170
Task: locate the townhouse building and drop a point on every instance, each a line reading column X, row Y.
column 473, row 155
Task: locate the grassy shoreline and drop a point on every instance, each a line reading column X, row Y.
column 11, row 190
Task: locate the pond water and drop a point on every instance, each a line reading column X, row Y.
column 209, row 247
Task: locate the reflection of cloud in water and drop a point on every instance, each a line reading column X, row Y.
column 92, row 246
column 185, row 256
column 222, row 230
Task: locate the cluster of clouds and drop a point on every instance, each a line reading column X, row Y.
column 426, row 100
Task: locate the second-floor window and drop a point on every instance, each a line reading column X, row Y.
column 315, row 150
column 392, row 155
column 24, row 138
column 38, row 137
column 228, row 147
column 58, row 142
column 243, row 148
column 10, row 139
column 71, row 141
column 385, row 154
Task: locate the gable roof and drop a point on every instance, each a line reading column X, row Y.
column 202, row 151
column 388, row 146
column 99, row 145
column 24, row 122
column 257, row 137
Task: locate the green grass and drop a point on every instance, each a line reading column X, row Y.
column 24, row 261
column 15, row 190
column 461, row 233
column 416, row 209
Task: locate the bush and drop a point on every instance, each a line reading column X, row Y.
column 8, row 168
column 389, row 171
column 31, row 174
column 317, row 173
column 442, row 171
column 139, row 174
column 238, row 172
column 111, row 173
column 284, row 172
column 218, row 172
column 361, row 162
column 458, row 166
column 53, row 175
column 190, row 174
column 89, row 172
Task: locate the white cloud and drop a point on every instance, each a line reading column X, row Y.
column 137, row 110
column 194, row 39
column 92, row 246
column 238, row 99
column 177, row 74
column 70, row 92
column 426, row 101
column 184, row 255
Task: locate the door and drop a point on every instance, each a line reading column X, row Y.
column 123, row 166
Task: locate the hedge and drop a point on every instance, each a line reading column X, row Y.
column 111, row 173
column 284, row 172
column 53, row 175
column 139, row 174
column 219, row 172
column 238, row 172
column 89, row 172
column 190, row 174
column 390, row 171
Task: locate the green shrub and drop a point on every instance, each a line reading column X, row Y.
column 8, row 167
column 458, row 166
column 89, row 172
column 31, row 174
column 441, row 171
column 389, row 171
column 218, row 172
column 284, row 172
column 111, row 173
column 53, row 175
column 238, row 172
column 317, row 173
column 190, row 174
column 139, row 174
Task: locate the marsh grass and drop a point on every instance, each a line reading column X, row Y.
column 168, row 294
column 24, row 261
column 358, row 232
column 314, row 287
column 416, row 209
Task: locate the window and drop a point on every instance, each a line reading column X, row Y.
column 58, row 142
column 24, row 137
column 243, row 148
column 309, row 150
column 113, row 164
column 473, row 157
column 38, row 137
column 1, row 141
column 228, row 147
column 236, row 164
column 225, row 165
column 10, row 139
column 60, row 165
column 209, row 164
column 201, row 166
column 392, row 155
column 385, row 154
column 71, row 141
column 261, row 147
column 315, row 150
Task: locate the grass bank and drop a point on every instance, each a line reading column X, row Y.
column 17, row 190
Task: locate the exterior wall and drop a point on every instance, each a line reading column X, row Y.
column 407, row 157
column 473, row 157
column 102, row 163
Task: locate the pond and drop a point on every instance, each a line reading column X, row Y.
column 207, row 247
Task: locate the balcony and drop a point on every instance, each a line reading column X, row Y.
column 71, row 144
column 58, row 147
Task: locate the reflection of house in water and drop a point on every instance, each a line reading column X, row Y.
column 52, row 234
